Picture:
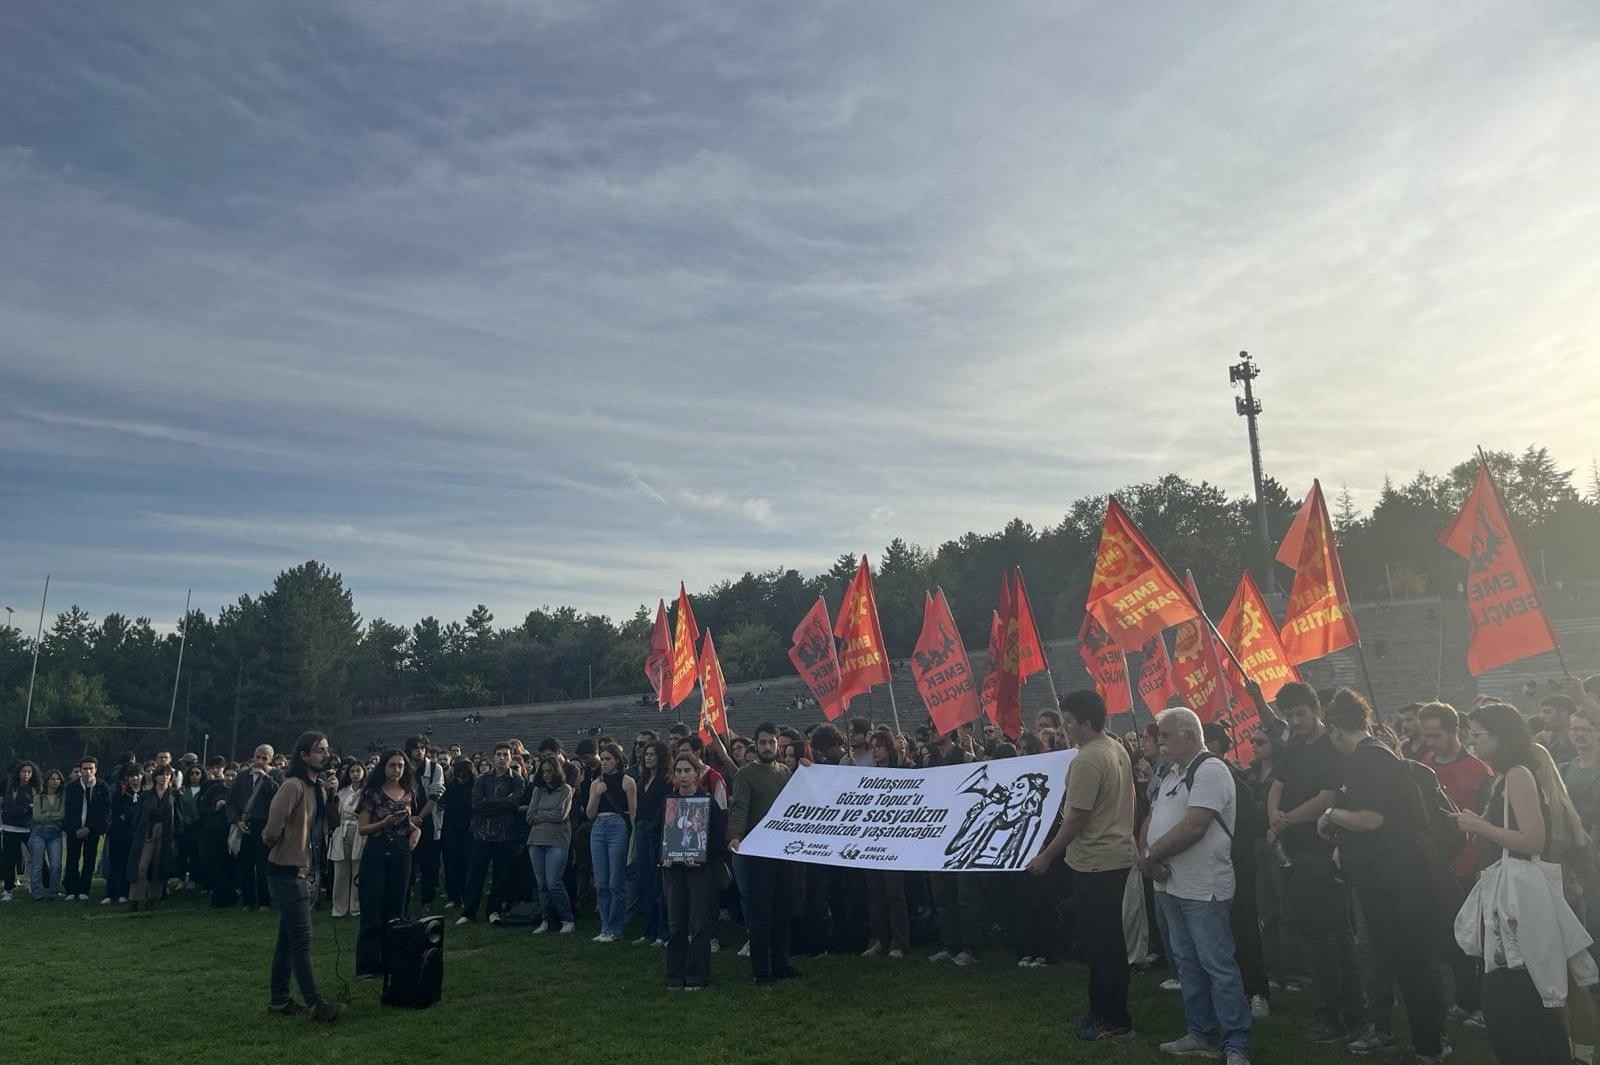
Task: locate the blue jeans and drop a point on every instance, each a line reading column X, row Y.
column 647, row 874
column 1201, row 942
column 608, row 847
column 42, row 843
column 549, row 871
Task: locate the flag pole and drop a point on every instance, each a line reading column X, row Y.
column 1500, row 499
column 893, row 707
column 183, row 641
column 38, row 641
column 1361, row 654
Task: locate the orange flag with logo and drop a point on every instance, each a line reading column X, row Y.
column 1156, row 686
column 1199, row 666
column 1319, row 620
column 863, row 661
column 658, row 661
column 1004, row 664
column 713, row 693
column 1248, row 627
column 816, row 658
column 991, row 678
column 1133, row 593
column 940, row 667
column 1106, row 663
column 1506, row 620
column 1030, row 649
column 684, row 668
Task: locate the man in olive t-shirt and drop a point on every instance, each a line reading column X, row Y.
column 1096, row 838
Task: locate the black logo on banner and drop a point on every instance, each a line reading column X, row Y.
column 1486, row 542
column 1002, row 824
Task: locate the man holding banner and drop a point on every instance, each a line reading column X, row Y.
column 1096, row 839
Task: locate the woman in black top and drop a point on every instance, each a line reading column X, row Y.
column 153, row 855
column 16, row 813
column 119, row 840
column 610, row 808
column 655, row 781
column 214, row 856
column 691, row 889
column 457, row 806
column 1519, row 1026
column 386, row 817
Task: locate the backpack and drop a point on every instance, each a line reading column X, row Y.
column 1446, row 836
column 1245, row 827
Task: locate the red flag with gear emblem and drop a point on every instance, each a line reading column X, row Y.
column 941, row 670
column 816, row 658
column 1199, row 665
column 1133, row 594
column 1318, row 620
column 863, row 662
column 1248, row 627
column 713, row 692
column 685, row 671
column 1106, row 663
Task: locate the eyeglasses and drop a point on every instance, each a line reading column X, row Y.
column 1479, row 734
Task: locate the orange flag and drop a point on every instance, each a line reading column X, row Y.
column 1107, row 665
column 658, row 661
column 1156, row 686
column 1199, row 666
column 713, row 693
column 1005, row 708
column 1319, row 620
column 939, row 665
column 863, row 661
column 1248, row 627
column 1133, row 593
column 684, row 668
column 991, row 678
column 1505, row 618
column 1030, row 649
column 816, row 658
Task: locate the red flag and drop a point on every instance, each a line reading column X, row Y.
column 1106, row 664
column 943, row 674
column 1133, row 593
column 1030, row 649
column 1248, row 627
column 991, row 677
column 816, row 659
column 1199, row 666
column 1004, row 664
column 1156, row 686
column 863, row 661
column 687, row 634
column 658, row 661
column 1505, row 617
column 713, row 693
column 1319, row 620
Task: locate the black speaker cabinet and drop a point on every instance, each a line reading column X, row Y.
column 414, row 970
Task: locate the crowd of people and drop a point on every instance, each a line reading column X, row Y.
column 1364, row 865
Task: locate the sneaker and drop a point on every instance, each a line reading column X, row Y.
column 567, row 928
column 661, row 943
column 1456, row 1015
column 1025, row 963
column 873, row 951
column 326, row 1012
column 123, row 901
column 601, row 938
column 1374, row 1040
column 463, row 920
column 744, row 951
column 897, row 953
column 1105, row 1033
column 1260, row 1008
column 494, row 918
column 1323, row 1032
column 540, row 929
column 1192, row 1046
column 449, row 906
column 940, row 955
column 288, row 1009
column 643, row 941
column 694, row 987
column 5, row 896
column 1171, row 984
column 1236, row 1056
column 716, row 947
column 965, row 958
column 1474, row 1020
column 106, row 901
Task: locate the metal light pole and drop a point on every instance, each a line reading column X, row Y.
column 1248, row 407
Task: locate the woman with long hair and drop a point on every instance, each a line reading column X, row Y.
column 345, row 843
column 612, row 806
column 191, row 819
column 457, row 838
column 549, row 841
column 886, row 891
column 297, row 821
column 1515, row 821
column 153, row 855
column 691, row 889
column 16, row 820
column 655, row 781
column 386, row 817
column 119, row 839
column 46, row 840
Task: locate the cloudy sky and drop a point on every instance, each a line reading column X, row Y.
column 530, row 303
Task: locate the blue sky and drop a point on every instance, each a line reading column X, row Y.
column 557, row 303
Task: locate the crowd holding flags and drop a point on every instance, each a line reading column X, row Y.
column 1134, row 597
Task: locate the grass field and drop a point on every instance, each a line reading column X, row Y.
column 188, row 984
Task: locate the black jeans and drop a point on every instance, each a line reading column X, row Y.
column 457, row 857
column 385, row 873
column 1247, row 932
column 81, row 854
column 117, row 846
column 484, row 854
column 292, row 896
column 1398, row 917
column 425, row 865
column 1520, row 1029
column 769, row 883
column 13, row 854
column 691, row 900
column 1319, row 909
column 251, row 868
column 1097, row 905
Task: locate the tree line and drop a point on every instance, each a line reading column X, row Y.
column 299, row 651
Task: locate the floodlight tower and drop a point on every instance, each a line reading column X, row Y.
column 1249, row 408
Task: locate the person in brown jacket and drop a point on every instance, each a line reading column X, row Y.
column 296, row 824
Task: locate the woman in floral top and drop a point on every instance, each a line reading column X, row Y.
column 387, row 818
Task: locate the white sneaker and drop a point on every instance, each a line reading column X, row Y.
column 1171, row 984
column 5, row 896
column 449, row 905
column 601, row 938
column 643, row 941
column 541, row 929
column 1260, row 1008
column 567, row 928
column 1191, row 1046
column 661, row 943
column 463, row 920
column 744, row 951
column 940, row 955
column 873, row 951
column 965, row 958
column 716, row 945
column 106, row 901
column 897, row 953
column 494, row 918
column 123, row 901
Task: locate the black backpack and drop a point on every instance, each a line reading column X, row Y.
column 1245, row 827
column 1437, row 825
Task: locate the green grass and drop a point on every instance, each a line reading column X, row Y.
column 189, row 984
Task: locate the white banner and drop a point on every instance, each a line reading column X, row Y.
column 991, row 816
